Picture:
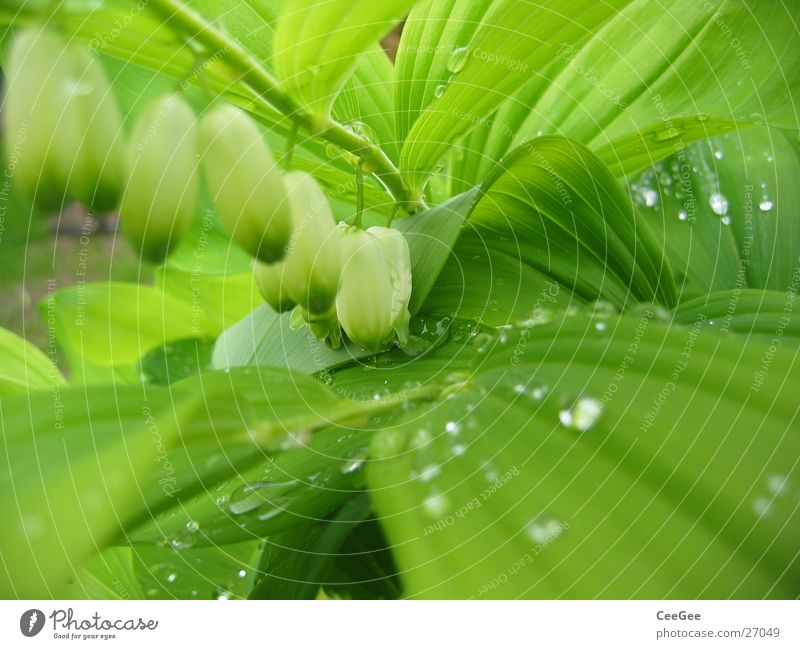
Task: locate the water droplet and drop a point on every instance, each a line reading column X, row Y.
column 762, row 506
column 650, row 197
column 171, row 577
column 544, row 530
column 682, row 216
column 582, row 416
column 458, row 59
column 778, row 484
column 452, row 428
column 192, row 526
column 719, row 204
column 719, row 155
column 436, row 504
column 354, row 463
column 430, row 472
column 439, row 90
column 250, row 497
column 242, row 574
column 766, row 205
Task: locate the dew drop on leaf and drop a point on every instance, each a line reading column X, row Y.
column 439, row 90
column 582, row 415
column 766, row 205
column 436, row 504
column 718, row 203
column 544, row 530
column 457, row 60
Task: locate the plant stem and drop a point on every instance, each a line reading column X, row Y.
column 359, row 194
column 255, row 75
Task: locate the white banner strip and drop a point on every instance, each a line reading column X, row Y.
column 335, row 624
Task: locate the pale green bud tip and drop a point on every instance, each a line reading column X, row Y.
column 365, row 300
column 395, row 247
column 313, row 256
column 270, row 283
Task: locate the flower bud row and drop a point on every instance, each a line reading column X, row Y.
column 336, row 277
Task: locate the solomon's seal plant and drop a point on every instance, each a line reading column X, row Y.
column 506, row 311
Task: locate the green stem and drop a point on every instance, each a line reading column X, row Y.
column 359, row 194
column 255, row 75
column 291, row 142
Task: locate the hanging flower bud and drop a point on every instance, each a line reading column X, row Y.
column 398, row 255
column 161, row 196
column 312, row 261
column 245, row 183
column 62, row 123
column 99, row 173
column 365, row 301
column 269, row 280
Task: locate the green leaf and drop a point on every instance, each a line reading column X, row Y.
column 24, row 367
column 296, row 487
column 431, row 236
column 599, row 459
column 317, row 45
column 81, row 468
column 267, row 338
column 108, row 575
column 293, row 564
column 433, row 39
column 727, row 211
column 638, row 151
column 507, row 47
column 114, row 324
column 201, row 573
column 367, row 98
column 176, row 361
column 70, row 476
column 769, row 315
column 629, row 67
column 555, row 207
column 492, row 286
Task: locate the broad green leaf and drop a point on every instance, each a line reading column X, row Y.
column 493, row 286
column 23, row 367
column 108, row 575
column 294, row 489
column 769, row 315
column 727, row 211
column 555, row 207
column 70, row 478
column 638, row 151
column 599, row 459
column 294, row 564
column 219, row 300
column 367, row 98
column 202, row 573
column 82, row 469
column 431, row 236
column 432, row 47
column 364, row 567
column 266, row 338
column 513, row 41
column 176, row 360
column 115, row 324
column 635, row 68
column 317, row 45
